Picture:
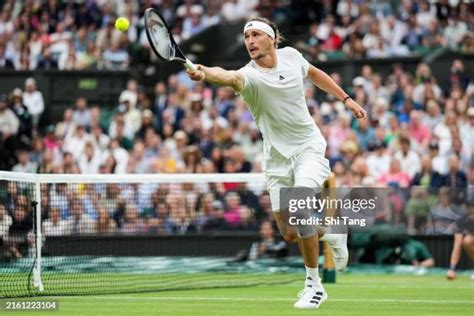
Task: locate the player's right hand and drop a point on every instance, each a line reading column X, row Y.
column 451, row 275
column 198, row 75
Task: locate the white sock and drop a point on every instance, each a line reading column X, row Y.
column 312, row 276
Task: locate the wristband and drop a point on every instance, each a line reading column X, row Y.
column 452, row 267
column 345, row 99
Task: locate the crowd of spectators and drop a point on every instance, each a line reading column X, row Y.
column 81, row 35
column 359, row 29
column 418, row 138
column 74, row 35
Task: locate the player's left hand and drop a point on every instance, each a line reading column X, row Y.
column 358, row 111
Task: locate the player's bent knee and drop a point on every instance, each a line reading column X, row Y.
column 467, row 241
column 290, row 237
column 307, row 231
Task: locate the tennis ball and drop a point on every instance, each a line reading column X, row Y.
column 122, row 24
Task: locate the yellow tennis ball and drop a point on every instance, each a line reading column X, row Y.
column 122, row 24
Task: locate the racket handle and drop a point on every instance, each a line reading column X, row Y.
column 189, row 65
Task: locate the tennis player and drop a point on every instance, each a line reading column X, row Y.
column 272, row 86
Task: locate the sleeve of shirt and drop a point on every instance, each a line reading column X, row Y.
column 250, row 84
column 304, row 64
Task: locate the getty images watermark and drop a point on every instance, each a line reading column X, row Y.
column 338, row 208
column 421, row 210
column 329, row 205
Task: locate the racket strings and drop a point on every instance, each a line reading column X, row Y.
column 161, row 37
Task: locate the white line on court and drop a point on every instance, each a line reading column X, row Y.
column 398, row 286
column 256, row 299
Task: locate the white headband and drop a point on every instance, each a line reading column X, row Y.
column 261, row 26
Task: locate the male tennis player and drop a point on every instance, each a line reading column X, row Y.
column 272, row 86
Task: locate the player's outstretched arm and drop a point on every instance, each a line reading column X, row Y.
column 218, row 76
column 324, row 82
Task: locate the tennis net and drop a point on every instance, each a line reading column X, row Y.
column 97, row 234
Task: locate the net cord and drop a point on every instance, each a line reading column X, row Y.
column 132, row 178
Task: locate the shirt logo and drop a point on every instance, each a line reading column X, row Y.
column 282, row 78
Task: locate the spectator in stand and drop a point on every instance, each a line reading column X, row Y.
column 443, row 132
column 116, row 57
column 24, row 163
column 120, row 123
column 130, row 94
column 46, row 60
column 132, row 223
column 268, row 247
column 24, row 117
column 442, row 215
column 395, row 176
column 66, row 128
column 233, row 213
column 204, row 210
column 456, row 180
column 5, row 223
column 439, row 162
column 78, row 141
column 414, row 35
column 433, row 116
column 79, row 223
column 409, row 159
column 90, row 160
column 33, row 100
column 82, row 114
column 365, row 133
column 454, row 32
column 427, row 177
column 216, row 220
column 132, row 116
column 54, row 225
column 104, row 225
column 107, row 36
column 117, row 157
column 139, row 163
column 5, row 62
column 194, row 23
column 22, row 223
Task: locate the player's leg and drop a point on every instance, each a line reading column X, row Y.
column 279, row 174
column 313, row 294
column 308, row 246
column 311, row 171
column 288, row 232
column 468, row 245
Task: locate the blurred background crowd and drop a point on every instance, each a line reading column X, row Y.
column 419, row 137
column 68, row 35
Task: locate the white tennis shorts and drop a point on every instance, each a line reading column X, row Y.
column 308, row 168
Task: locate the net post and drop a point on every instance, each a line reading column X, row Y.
column 329, row 269
column 38, row 284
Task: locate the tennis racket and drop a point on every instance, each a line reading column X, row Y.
column 162, row 41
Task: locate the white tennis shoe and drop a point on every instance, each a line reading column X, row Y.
column 311, row 297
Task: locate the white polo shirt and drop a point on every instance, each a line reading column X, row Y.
column 276, row 99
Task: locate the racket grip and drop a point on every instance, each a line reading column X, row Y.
column 189, row 65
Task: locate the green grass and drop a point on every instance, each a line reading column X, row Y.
column 351, row 295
